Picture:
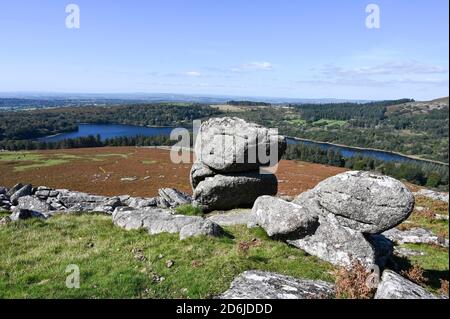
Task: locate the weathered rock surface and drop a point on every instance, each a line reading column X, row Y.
column 415, row 236
column 139, row 202
column 200, row 227
column 341, row 245
column 394, row 286
column 200, row 172
column 32, row 203
column 256, row 284
column 23, row 191
column 237, row 217
column 223, row 192
column 433, row 195
column 227, row 144
column 22, row 214
column 14, row 189
column 363, row 201
column 170, row 197
column 3, row 190
column 406, row 252
column 157, row 220
column 283, row 219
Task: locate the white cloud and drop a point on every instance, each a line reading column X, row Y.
column 193, row 73
column 255, row 66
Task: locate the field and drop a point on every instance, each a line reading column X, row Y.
column 130, row 170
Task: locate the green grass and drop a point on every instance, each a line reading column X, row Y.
column 4, row 213
column 34, row 255
column 327, row 122
column 149, row 162
column 189, row 210
column 41, row 163
column 19, row 157
column 434, row 262
column 421, row 219
column 298, row 122
column 113, row 155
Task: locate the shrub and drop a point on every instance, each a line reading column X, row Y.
column 415, row 274
column 351, row 283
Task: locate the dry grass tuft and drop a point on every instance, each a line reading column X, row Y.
column 352, row 283
column 415, row 274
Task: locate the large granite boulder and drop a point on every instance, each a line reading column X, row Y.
column 394, row 286
column 231, row 145
column 223, row 192
column 257, row 284
column 363, row 201
column 341, row 246
column 283, row 219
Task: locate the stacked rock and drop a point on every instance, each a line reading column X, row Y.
column 231, row 156
column 341, row 219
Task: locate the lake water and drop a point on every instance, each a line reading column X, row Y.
column 354, row 152
column 116, row 130
column 109, row 131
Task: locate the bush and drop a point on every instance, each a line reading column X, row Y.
column 352, row 283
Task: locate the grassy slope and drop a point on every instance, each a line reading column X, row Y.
column 35, row 254
column 435, row 261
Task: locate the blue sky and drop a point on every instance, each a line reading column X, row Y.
column 283, row 48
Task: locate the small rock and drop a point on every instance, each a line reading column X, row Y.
column 24, row 191
column 433, row 195
column 415, row 236
column 394, row 286
column 257, row 284
column 283, row 219
column 169, row 263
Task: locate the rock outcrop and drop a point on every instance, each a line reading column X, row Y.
column 349, row 211
column 44, row 201
column 230, row 154
column 256, row 284
column 394, row 286
column 158, row 220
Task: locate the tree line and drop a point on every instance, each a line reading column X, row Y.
column 419, row 173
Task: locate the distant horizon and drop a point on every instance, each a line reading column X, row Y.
column 141, row 95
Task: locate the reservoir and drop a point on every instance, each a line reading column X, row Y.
column 118, row 130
